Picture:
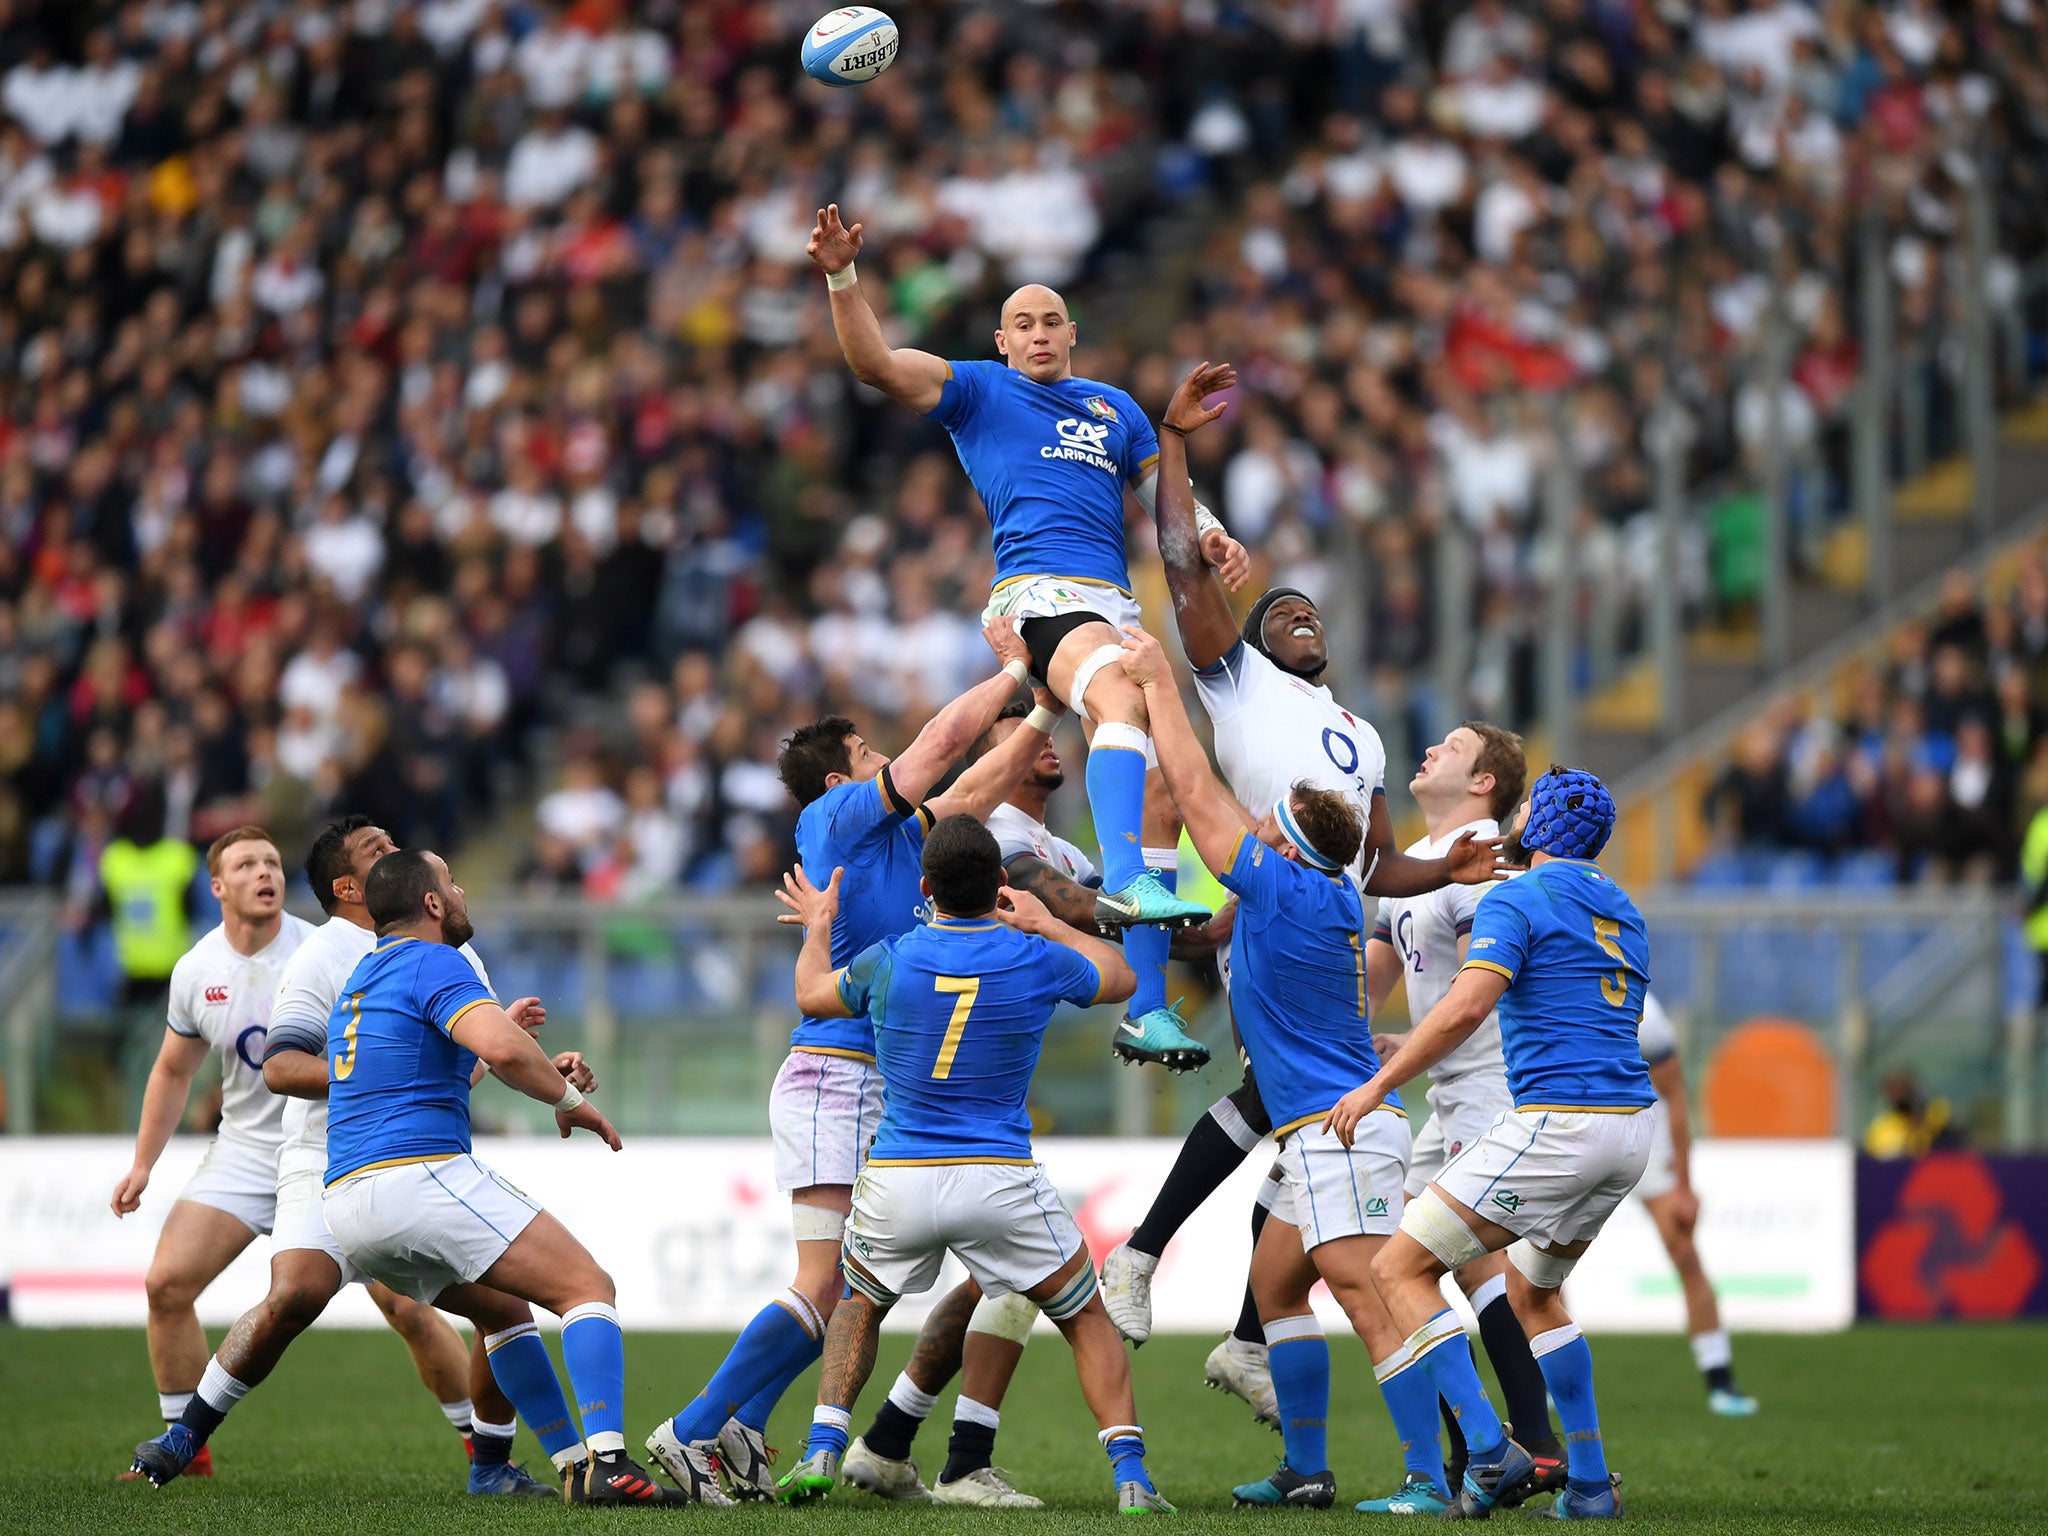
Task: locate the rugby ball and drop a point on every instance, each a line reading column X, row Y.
column 849, row 46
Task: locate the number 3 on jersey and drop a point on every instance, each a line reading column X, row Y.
column 966, row 990
column 1614, row 988
column 345, row 1063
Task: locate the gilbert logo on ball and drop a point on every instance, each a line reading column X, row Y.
column 849, row 46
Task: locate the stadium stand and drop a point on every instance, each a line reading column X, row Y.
column 386, row 385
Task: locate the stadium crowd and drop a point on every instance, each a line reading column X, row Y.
column 384, row 385
column 1936, row 755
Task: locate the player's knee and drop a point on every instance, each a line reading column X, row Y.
column 601, row 1286
column 294, row 1306
column 170, row 1288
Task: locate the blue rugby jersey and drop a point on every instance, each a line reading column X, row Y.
column 1297, row 984
column 960, row 1007
column 397, row 1083
column 1050, row 462
column 1577, row 960
column 879, row 845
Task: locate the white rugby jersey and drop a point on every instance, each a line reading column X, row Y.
column 306, row 994
column 1424, row 931
column 1016, row 832
column 223, row 998
column 1654, row 1036
column 1273, row 728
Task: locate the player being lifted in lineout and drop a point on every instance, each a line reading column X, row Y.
column 1051, row 457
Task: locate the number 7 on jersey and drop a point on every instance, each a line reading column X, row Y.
column 965, row 989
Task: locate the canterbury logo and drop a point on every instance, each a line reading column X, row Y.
column 216, row 996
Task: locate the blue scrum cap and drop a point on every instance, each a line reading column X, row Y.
column 1571, row 815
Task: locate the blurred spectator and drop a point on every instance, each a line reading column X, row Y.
column 388, row 395
column 1939, row 757
column 1910, row 1124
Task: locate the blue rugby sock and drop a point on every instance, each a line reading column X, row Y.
column 1116, row 794
column 829, row 1430
column 1146, row 948
column 1299, row 1356
column 524, row 1373
column 1567, row 1365
column 1411, row 1401
column 1125, row 1446
column 780, row 1343
column 594, row 1349
column 1445, row 1356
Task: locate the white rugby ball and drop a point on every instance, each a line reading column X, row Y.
column 849, row 46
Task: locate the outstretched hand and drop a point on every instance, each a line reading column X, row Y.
column 1474, row 860
column 807, row 904
column 1002, row 637
column 1144, row 659
column 833, row 246
column 1185, row 411
column 1023, row 910
column 1228, row 558
column 1342, row 1120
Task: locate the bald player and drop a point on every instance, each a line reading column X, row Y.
column 1052, row 458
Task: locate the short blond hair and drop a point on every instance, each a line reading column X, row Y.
column 217, row 850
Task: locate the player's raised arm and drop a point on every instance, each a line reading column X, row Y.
column 994, row 776
column 961, row 723
column 817, row 983
column 516, row 1059
column 1210, row 813
column 163, row 1104
column 1186, row 544
column 1471, row 860
column 915, row 378
column 1024, row 911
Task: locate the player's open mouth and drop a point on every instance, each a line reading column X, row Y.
column 1303, row 631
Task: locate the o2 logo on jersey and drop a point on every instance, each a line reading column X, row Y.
column 1340, row 749
column 1404, row 939
column 261, row 1034
column 215, row 996
column 1083, row 442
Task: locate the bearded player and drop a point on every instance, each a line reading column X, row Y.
column 1051, row 457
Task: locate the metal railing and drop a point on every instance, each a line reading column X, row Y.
column 685, row 1008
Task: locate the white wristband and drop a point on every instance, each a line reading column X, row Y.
column 845, row 277
column 571, row 1097
column 1017, row 670
column 1207, row 522
column 1041, row 720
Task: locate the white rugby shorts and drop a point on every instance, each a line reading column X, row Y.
column 1660, row 1176
column 1461, row 1110
column 1004, row 1221
column 302, row 1223
column 239, row 1177
column 422, row 1227
column 823, row 1112
column 1050, row 597
column 1553, row 1176
column 1330, row 1192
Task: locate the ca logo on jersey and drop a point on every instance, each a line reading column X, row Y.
column 1084, row 442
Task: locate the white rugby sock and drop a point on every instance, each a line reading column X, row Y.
column 967, row 1411
column 218, row 1390
column 1711, row 1351
column 911, row 1398
column 459, row 1413
column 172, row 1404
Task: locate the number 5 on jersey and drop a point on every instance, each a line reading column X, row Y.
column 966, row 990
column 1614, row 988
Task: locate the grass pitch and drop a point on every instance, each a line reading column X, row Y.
column 1883, row 1429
